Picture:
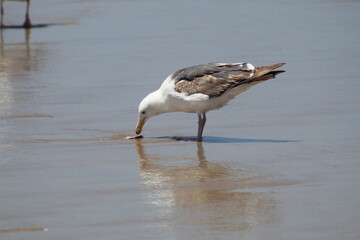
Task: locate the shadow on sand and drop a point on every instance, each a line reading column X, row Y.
column 211, row 139
column 41, row 25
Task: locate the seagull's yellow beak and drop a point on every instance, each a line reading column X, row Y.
column 139, row 126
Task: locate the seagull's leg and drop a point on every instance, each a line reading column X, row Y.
column 201, row 123
column 199, row 136
column 27, row 23
column 2, row 14
column 204, row 121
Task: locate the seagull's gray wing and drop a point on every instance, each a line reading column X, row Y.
column 214, row 79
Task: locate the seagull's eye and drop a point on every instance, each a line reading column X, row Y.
column 143, row 112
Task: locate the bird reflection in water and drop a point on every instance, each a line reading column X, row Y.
column 20, row 61
column 20, row 55
column 14, row 58
column 195, row 192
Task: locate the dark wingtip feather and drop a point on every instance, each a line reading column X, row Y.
column 277, row 72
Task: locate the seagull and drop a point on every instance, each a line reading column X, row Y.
column 27, row 23
column 199, row 89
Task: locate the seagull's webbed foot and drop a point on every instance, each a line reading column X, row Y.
column 27, row 22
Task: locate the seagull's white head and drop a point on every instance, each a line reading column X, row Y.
column 150, row 106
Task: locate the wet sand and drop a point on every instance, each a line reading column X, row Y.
column 281, row 161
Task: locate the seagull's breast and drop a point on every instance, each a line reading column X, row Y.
column 180, row 102
column 194, row 103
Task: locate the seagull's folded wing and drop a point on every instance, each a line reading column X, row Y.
column 211, row 85
column 215, row 83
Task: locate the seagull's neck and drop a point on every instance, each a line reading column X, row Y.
column 159, row 99
column 157, row 102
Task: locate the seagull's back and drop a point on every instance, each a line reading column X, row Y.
column 210, row 86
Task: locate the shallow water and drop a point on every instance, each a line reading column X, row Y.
column 281, row 161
